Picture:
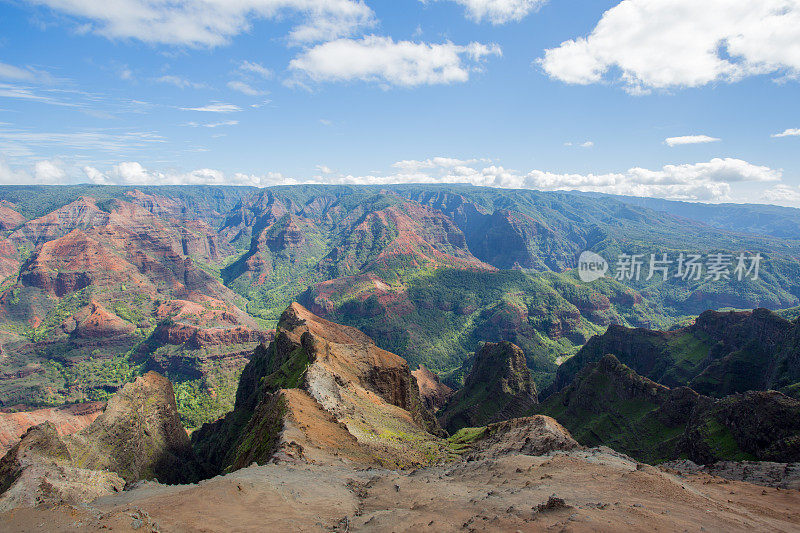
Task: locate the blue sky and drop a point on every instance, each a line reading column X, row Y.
column 667, row 98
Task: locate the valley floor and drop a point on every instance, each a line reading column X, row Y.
column 601, row 491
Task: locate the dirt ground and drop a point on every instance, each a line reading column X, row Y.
column 589, row 490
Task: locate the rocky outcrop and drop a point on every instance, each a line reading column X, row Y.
column 721, row 353
column 196, row 337
column 609, row 404
column 321, row 392
column 779, row 475
column 139, row 435
column 764, row 425
column 498, row 387
column 82, row 214
column 68, row 419
column 534, row 435
column 10, row 219
column 40, row 470
column 433, row 392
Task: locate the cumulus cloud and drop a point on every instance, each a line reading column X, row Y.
column 133, row 173
column 382, row 60
column 215, row 108
column 44, row 172
column 49, row 172
column 716, row 180
column 213, row 22
column 498, row 11
column 791, row 132
column 710, row 181
column 659, row 44
column 690, row 139
column 586, row 144
column 782, row 195
column 12, row 176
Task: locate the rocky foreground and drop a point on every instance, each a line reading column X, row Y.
column 578, row 490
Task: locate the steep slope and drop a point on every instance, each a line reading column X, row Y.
column 321, row 391
column 110, row 290
column 433, row 392
column 720, row 353
column 609, row 404
column 39, row 471
column 438, row 317
column 498, row 387
column 138, row 436
column 67, row 419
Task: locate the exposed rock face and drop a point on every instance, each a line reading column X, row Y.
column 40, row 470
column 609, row 404
column 498, row 387
column 83, row 213
column 317, row 392
column 139, row 435
column 9, row 258
column 67, row 420
column 721, row 353
column 763, row 424
column 433, row 392
column 10, row 219
column 534, row 435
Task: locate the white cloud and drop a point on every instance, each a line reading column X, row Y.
column 255, row 68
column 716, row 180
column 244, row 88
column 215, row 108
column 181, row 83
column 660, row 44
column 586, row 144
column 26, row 93
column 90, row 140
column 791, row 132
column 133, row 173
column 382, row 60
column 15, row 73
column 782, row 195
column 11, row 176
column 711, row 181
column 690, row 139
column 414, row 165
column 49, row 172
column 44, row 172
column 96, row 177
column 213, row 22
column 212, row 124
column 499, row 11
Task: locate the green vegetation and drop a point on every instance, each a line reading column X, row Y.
column 595, row 415
column 290, row 374
column 451, row 311
column 66, row 307
column 721, row 442
column 464, row 438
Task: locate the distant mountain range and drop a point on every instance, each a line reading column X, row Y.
column 101, row 284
